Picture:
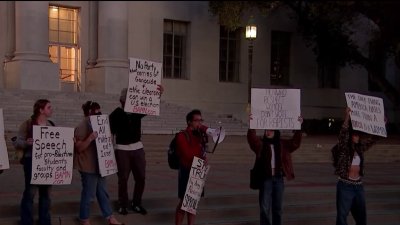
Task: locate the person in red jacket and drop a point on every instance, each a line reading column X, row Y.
column 190, row 143
column 274, row 154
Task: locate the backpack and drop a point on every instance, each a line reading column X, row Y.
column 173, row 159
column 20, row 152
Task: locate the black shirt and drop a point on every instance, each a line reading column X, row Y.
column 126, row 126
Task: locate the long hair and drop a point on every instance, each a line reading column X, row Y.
column 275, row 141
column 351, row 133
column 90, row 106
column 39, row 104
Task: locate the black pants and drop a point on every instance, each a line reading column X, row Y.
column 130, row 161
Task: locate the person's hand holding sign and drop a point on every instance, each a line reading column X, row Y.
column 93, row 136
column 160, row 88
column 300, row 119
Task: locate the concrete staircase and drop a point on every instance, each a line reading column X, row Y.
column 18, row 105
column 308, row 200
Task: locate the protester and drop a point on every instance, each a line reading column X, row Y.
column 129, row 154
column 42, row 111
column 190, row 143
column 275, row 158
column 86, row 161
column 348, row 158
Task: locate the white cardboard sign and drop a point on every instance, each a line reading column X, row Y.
column 367, row 113
column 104, row 145
column 142, row 96
column 52, row 155
column 194, row 188
column 275, row 109
column 4, row 161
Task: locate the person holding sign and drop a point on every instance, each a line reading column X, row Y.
column 275, row 158
column 86, row 162
column 129, row 154
column 42, row 111
column 348, row 160
column 190, row 143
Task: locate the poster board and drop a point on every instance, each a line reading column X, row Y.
column 4, row 161
column 275, row 109
column 367, row 113
column 105, row 150
column 194, row 188
column 142, row 96
column 52, row 155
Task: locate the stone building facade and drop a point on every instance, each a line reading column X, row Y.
column 85, row 46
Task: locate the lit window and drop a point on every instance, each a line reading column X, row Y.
column 64, row 44
column 174, row 55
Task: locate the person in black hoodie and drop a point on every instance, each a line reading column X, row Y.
column 129, row 154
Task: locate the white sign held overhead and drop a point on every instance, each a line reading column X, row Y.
column 275, row 109
column 367, row 113
column 142, row 96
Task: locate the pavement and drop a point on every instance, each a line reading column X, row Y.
column 308, row 200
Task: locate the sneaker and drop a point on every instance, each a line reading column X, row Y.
column 113, row 221
column 139, row 209
column 123, row 211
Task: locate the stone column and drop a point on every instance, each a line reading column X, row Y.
column 93, row 22
column 111, row 72
column 31, row 67
column 10, row 41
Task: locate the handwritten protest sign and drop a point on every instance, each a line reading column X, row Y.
column 275, row 109
column 104, row 145
column 52, row 155
column 367, row 113
column 143, row 96
column 194, row 188
column 4, row 163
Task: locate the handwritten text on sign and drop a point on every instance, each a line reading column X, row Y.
column 4, row 163
column 143, row 96
column 367, row 113
column 104, row 145
column 194, row 188
column 52, row 155
column 275, row 109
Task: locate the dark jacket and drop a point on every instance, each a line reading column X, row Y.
column 127, row 127
column 345, row 152
column 286, row 148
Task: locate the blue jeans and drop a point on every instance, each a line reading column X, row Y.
column 29, row 195
column 93, row 184
column 270, row 199
column 350, row 198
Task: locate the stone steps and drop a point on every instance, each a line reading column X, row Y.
column 17, row 107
